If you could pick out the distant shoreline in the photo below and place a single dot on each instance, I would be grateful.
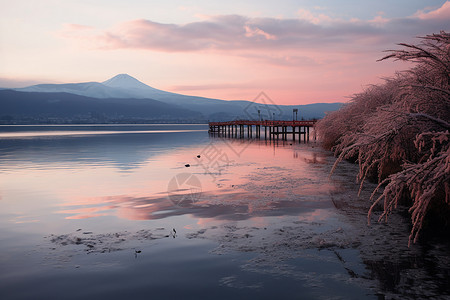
(104, 124)
(99, 123)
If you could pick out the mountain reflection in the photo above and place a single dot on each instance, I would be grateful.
(123, 151)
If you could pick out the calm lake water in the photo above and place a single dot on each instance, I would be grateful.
(107, 212)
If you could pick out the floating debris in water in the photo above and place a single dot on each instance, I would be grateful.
(105, 242)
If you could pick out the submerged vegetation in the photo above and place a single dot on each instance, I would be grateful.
(398, 133)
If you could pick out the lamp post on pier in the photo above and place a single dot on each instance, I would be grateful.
(295, 110)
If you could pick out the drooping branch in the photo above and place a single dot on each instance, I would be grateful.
(423, 181)
(442, 123)
(432, 88)
(434, 49)
(398, 133)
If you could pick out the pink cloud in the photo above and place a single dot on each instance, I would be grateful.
(442, 13)
(314, 19)
(251, 32)
(234, 33)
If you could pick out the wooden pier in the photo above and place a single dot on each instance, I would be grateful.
(272, 129)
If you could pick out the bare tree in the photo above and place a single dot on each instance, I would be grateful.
(398, 132)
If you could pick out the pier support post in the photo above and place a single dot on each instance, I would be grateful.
(280, 129)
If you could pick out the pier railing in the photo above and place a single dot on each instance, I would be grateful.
(309, 123)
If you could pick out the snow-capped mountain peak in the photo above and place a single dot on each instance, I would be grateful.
(125, 81)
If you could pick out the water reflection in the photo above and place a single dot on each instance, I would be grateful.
(124, 151)
(270, 204)
(255, 183)
(127, 175)
(227, 206)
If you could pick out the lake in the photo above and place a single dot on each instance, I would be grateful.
(168, 211)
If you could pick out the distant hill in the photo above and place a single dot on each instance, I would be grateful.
(124, 87)
(33, 107)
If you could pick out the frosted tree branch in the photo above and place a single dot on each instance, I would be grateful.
(398, 133)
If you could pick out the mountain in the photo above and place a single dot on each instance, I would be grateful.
(124, 86)
(125, 81)
(119, 86)
(88, 89)
(37, 107)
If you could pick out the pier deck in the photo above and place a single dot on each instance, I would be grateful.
(272, 129)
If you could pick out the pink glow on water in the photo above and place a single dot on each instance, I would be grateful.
(245, 185)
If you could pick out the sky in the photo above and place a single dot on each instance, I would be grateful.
(296, 51)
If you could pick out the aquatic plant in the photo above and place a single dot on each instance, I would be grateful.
(398, 133)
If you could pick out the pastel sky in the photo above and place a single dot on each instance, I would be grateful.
(297, 52)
